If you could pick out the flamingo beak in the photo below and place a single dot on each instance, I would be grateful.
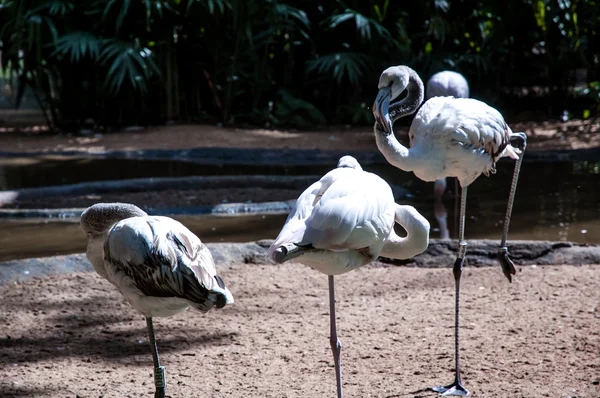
(381, 109)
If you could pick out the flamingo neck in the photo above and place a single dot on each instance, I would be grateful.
(416, 240)
(395, 153)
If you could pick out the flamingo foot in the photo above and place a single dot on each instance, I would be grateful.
(455, 389)
(508, 267)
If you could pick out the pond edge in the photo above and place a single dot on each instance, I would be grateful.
(439, 254)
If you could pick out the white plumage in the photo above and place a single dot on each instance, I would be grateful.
(449, 137)
(458, 137)
(344, 221)
(447, 84)
(156, 263)
(347, 214)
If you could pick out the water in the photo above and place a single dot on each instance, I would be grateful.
(555, 201)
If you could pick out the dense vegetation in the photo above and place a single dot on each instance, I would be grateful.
(294, 62)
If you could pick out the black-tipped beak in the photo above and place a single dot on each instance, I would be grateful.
(381, 109)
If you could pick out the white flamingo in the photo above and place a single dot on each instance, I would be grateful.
(445, 84)
(343, 221)
(449, 137)
(158, 265)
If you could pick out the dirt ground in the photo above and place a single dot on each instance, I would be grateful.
(575, 134)
(73, 336)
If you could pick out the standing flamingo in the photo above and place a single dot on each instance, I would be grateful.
(158, 265)
(343, 221)
(449, 137)
(445, 84)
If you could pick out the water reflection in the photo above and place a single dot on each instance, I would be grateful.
(555, 201)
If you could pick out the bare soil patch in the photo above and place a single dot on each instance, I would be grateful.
(73, 335)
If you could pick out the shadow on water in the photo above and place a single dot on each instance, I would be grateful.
(555, 201)
(17, 173)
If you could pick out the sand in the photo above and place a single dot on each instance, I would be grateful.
(74, 336)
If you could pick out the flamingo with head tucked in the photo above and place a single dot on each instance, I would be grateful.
(344, 221)
(156, 263)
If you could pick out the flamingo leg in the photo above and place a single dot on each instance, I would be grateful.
(336, 345)
(456, 388)
(508, 267)
(159, 371)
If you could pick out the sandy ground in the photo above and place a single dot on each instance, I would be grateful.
(73, 336)
(573, 134)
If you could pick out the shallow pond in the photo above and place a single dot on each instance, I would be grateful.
(555, 201)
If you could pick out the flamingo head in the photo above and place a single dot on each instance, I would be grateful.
(392, 82)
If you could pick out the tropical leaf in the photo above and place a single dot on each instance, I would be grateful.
(78, 45)
(127, 63)
(442, 5)
(291, 110)
(342, 65)
(364, 25)
(56, 8)
(292, 18)
(210, 5)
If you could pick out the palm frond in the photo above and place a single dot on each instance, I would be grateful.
(342, 65)
(442, 5)
(127, 63)
(364, 25)
(77, 45)
(56, 8)
(293, 18)
(210, 5)
(291, 110)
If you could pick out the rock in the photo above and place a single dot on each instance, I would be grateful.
(440, 253)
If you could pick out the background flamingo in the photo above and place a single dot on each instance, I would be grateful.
(445, 84)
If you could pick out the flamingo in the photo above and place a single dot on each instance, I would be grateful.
(449, 137)
(344, 221)
(156, 263)
(446, 83)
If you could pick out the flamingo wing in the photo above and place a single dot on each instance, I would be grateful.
(347, 209)
(165, 259)
(466, 122)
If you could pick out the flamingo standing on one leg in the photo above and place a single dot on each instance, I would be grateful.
(343, 221)
(158, 265)
(445, 84)
(449, 137)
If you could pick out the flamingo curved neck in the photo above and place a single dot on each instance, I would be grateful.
(416, 240)
(394, 152)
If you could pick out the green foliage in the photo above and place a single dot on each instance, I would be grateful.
(292, 111)
(286, 62)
